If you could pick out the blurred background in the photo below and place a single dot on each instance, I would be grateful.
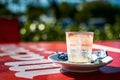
(48, 20)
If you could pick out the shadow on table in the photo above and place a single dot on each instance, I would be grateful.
(105, 73)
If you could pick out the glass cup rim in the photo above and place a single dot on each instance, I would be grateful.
(89, 32)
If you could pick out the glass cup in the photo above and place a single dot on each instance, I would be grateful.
(79, 46)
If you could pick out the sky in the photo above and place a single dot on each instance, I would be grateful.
(22, 6)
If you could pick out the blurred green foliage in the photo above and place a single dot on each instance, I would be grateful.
(58, 34)
(34, 29)
(42, 32)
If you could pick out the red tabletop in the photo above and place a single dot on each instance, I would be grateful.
(29, 61)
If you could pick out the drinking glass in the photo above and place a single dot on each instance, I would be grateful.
(79, 46)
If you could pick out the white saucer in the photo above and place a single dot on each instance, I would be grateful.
(79, 67)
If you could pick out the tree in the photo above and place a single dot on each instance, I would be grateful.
(33, 12)
(96, 10)
(66, 10)
(6, 12)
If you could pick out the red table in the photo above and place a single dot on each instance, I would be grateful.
(28, 61)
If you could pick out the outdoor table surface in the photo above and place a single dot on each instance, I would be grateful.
(29, 61)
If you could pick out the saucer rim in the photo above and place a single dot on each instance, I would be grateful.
(76, 63)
